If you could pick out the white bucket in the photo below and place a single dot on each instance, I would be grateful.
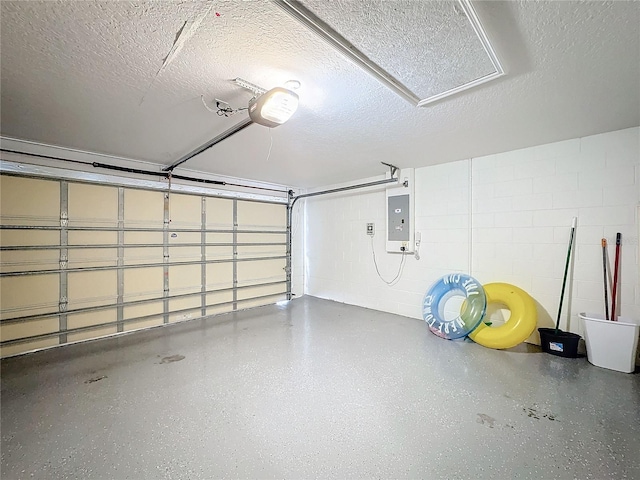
(611, 344)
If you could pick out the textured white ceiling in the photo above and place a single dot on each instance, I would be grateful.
(89, 75)
(430, 46)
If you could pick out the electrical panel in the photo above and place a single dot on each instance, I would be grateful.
(398, 218)
(401, 213)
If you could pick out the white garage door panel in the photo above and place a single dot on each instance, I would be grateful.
(22, 347)
(261, 271)
(29, 295)
(222, 302)
(142, 238)
(257, 251)
(185, 279)
(93, 288)
(17, 261)
(90, 334)
(150, 309)
(184, 254)
(143, 255)
(26, 201)
(178, 237)
(261, 216)
(143, 208)
(185, 308)
(20, 260)
(81, 320)
(27, 238)
(92, 205)
(143, 283)
(92, 257)
(220, 309)
(152, 313)
(219, 252)
(140, 324)
(263, 237)
(247, 293)
(259, 302)
(27, 329)
(124, 259)
(89, 203)
(219, 276)
(225, 238)
(185, 211)
(92, 238)
(219, 213)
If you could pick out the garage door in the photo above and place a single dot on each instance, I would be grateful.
(81, 261)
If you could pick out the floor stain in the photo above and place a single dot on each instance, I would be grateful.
(485, 419)
(172, 358)
(95, 379)
(533, 413)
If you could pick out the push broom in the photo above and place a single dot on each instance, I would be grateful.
(555, 341)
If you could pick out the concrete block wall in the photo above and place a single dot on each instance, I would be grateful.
(504, 217)
(523, 205)
(297, 251)
(339, 254)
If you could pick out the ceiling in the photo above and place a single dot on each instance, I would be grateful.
(126, 79)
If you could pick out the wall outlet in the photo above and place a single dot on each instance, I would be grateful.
(370, 229)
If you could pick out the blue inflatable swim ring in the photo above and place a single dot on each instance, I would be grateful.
(473, 310)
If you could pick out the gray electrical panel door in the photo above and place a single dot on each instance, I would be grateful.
(398, 220)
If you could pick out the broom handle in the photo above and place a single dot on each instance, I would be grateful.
(614, 291)
(566, 271)
(604, 269)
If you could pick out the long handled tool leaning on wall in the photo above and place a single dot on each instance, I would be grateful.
(606, 284)
(566, 271)
(616, 274)
(554, 340)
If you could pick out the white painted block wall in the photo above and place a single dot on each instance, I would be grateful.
(503, 217)
(297, 251)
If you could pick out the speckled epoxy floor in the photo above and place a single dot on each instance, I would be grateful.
(315, 389)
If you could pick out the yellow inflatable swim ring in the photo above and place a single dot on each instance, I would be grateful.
(521, 323)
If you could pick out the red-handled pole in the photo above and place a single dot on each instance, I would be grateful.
(614, 289)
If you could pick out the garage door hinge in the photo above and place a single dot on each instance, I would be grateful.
(64, 219)
(62, 306)
(63, 262)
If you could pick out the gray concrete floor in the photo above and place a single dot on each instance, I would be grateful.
(314, 389)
